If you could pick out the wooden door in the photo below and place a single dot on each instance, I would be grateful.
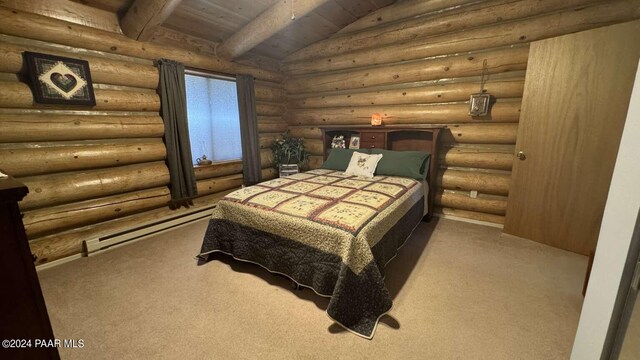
(575, 101)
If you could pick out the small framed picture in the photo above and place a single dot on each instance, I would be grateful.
(354, 143)
(59, 80)
(479, 104)
(338, 142)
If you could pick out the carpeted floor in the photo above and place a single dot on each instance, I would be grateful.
(461, 291)
(631, 344)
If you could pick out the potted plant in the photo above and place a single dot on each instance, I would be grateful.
(289, 154)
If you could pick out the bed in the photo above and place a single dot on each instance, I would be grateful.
(327, 231)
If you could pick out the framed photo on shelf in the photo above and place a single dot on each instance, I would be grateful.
(59, 80)
(354, 143)
(338, 142)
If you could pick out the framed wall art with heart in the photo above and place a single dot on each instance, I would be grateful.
(60, 80)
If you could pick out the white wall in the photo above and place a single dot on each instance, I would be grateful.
(618, 223)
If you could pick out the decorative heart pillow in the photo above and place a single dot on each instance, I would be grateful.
(363, 164)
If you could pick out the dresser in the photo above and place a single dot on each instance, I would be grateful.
(23, 314)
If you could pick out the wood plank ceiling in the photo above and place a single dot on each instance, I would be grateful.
(116, 6)
(217, 20)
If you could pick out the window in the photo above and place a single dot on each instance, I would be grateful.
(214, 122)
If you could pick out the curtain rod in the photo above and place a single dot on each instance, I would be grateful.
(190, 71)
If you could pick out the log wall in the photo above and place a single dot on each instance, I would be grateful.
(270, 106)
(92, 171)
(416, 62)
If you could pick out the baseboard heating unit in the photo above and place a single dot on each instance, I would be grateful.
(146, 229)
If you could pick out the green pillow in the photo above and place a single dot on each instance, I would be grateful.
(338, 158)
(411, 164)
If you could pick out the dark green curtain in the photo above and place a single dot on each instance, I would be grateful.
(176, 130)
(251, 169)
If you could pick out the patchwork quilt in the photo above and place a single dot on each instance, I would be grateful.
(325, 230)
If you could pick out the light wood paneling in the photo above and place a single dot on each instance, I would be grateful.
(527, 29)
(103, 70)
(266, 158)
(430, 69)
(266, 139)
(269, 173)
(144, 16)
(476, 158)
(501, 112)
(472, 215)
(487, 183)
(33, 26)
(427, 94)
(45, 160)
(69, 242)
(480, 134)
(85, 166)
(306, 132)
(575, 102)
(481, 13)
(496, 205)
(269, 109)
(222, 183)
(271, 124)
(499, 61)
(115, 6)
(218, 169)
(66, 10)
(48, 127)
(61, 188)
(401, 10)
(199, 45)
(315, 161)
(68, 216)
(14, 94)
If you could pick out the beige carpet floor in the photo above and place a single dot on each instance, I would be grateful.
(631, 343)
(461, 291)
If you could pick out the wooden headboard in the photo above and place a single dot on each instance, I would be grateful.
(393, 138)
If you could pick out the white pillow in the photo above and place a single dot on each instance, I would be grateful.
(363, 164)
